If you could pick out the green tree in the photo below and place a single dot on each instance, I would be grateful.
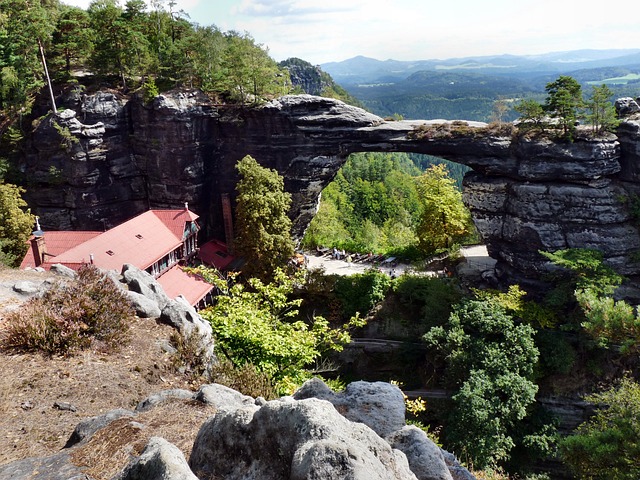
(609, 320)
(532, 115)
(602, 113)
(489, 362)
(250, 75)
(563, 102)
(16, 224)
(586, 269)
(120, 45)
(72, 39)
(25, 26)
(257, 324)
(263, 229)
(372, 205)
(607, 446)
(444, 219)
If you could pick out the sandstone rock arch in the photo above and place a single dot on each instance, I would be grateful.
(524, 195)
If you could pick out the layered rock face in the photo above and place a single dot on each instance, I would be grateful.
(109, 158)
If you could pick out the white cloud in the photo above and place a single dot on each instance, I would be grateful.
(327, 30)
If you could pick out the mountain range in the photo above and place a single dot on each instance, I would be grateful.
(467, 88)
(363, 69)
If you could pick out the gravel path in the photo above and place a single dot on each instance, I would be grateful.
(477, 260)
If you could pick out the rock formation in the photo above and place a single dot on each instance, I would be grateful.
(108, 157)
(246, 438)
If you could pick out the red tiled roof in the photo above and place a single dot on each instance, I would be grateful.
(176, 281)
(141, 241)
(174, 220)
(215, 253)
(57, 243)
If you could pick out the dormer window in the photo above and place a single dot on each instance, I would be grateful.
(139, 237)
(110, 253)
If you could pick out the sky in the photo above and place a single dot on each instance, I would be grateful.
(321, 31)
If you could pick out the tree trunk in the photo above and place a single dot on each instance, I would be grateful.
(46, 73)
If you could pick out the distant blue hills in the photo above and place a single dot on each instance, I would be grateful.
(363, 69)
(467, 88)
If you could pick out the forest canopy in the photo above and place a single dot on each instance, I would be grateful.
(129, 45)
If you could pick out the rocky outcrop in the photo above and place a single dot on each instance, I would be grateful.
(107, 158)
(149, 299)
(306, 439)
(287, 438)
(160, 460)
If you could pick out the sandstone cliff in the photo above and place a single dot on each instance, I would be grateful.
(109, 157)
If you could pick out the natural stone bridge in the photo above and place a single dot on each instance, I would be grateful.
(524, 195)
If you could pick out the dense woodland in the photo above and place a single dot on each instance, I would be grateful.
(494, 352)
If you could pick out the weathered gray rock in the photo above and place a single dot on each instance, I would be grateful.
(162, 397)
(26, 287)
(160, 460)
(178, 313)
(143, 283)
(55, 467)
(425, 457)
(63, 270)
(306, 439)
(182, 316)
(458, 472)
(626, 106)
(86, 428)
(145, 307)
(379, 405)
(222, 397)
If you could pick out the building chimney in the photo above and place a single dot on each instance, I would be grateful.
(38, 245)
(91, 258)
(186, 205)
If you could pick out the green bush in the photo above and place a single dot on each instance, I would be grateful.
(71, 316)
(488, 362)
(432, 297)
(607, 446)
(360, 292)
(259, 324)
(557, 355)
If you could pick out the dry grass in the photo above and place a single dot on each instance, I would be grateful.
(113, 447)
(92, 381)
(461, 129)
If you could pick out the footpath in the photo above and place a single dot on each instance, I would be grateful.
(476, 262)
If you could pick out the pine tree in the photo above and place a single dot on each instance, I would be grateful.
(563, 103)
(602, 113)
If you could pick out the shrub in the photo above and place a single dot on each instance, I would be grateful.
(607, 445)
(246, 379)
(70, 316)
(432, 297)
(489, 360)
(258, 324)
(360, 292)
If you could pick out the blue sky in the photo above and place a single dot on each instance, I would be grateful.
(321, 31)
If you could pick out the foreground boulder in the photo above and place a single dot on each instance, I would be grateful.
(252, 439)
(426, 460)
(379, 405)
(160, 460)
(285, 439)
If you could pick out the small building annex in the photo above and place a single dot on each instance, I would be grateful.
(158, 241)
